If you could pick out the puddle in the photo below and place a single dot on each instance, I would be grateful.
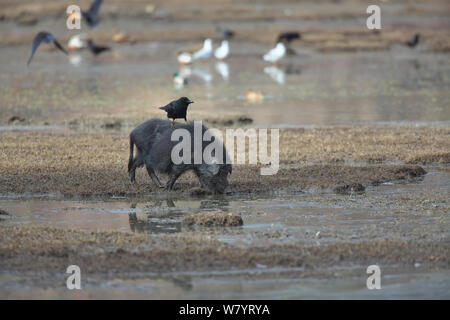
(285, 218)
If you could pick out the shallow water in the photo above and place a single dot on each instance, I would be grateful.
(254, 284)
(311, 88)
(303, 213)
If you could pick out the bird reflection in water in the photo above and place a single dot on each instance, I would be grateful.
(75, 59)
(276, 73)
(223, 69)
(203, 72)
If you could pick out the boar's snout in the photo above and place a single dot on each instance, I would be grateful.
(221, 184)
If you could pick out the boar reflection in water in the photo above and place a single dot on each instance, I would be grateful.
(154, 148)
(158, 218)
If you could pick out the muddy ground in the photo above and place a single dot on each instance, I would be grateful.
(81, 163)
(50, 249)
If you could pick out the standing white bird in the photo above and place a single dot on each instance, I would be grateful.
(222, 51)
(76, 42)
(184, 57)
(205, 52)
(275, 54)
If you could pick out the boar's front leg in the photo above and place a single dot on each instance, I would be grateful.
(152, 175)
(173, 177)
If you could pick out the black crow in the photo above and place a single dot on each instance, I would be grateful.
(96, 49)
(224, 33)
(177, 109)
(46, 37)
(90, 16)
(414, 41)
(288, 37)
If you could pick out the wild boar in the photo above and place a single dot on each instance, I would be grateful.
(154, 150)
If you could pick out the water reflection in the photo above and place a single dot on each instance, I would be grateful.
(75, 59)
(181, 78)
(223, 69)
(292, 69)
(163, 216)
(203, 72)
(156, 218)
(277, 74)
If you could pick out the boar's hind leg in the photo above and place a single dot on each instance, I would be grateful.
(137, 162)
(152, 175)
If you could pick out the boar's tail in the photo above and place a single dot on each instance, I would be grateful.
(130, 160)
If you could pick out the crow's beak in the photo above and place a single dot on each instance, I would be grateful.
(190, 101)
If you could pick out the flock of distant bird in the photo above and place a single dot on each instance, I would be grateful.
(91, 19)
(222, 52)
(184, 57)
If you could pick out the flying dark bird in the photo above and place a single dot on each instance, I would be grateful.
(177, 109)
(90, 16)
(46, 37)
(224, 33)
(414, 41)
(288, 37)
(96, 49)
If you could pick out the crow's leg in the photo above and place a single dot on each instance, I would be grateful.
(154, 177)
(185, 119)
(173, 122)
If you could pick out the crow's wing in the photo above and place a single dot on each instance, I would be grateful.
(172, 106)
(41, 36)
(95, 6)
(59, 46)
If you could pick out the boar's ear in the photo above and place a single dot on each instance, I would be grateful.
(214, 167)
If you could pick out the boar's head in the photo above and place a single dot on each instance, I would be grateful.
(215, 176)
